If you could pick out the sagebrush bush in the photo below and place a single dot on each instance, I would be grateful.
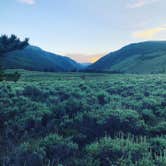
(100, 120)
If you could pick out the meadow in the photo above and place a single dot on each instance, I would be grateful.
(83, 119)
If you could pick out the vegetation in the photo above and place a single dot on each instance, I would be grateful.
(1, 74)
(140, 58)
(35, 59)
(83, 119)
(8, 44)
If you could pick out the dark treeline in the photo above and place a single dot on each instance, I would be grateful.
(8, 44)
(11, 43)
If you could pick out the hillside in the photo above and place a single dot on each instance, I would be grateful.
(34, 58)
(145, 57)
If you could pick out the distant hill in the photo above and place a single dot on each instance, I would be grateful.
(34, 58)
(145, 57)
(84, 66)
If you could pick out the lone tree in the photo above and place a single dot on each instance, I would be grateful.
(8, 44)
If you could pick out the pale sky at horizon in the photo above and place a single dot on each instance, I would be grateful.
(84, 29)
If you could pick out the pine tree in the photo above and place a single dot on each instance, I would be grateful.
(8, 44)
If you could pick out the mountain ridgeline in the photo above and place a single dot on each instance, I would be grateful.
(142, 58)
(34, 58)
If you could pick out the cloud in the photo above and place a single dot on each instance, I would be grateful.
(140, 3)
(149, 33)
(28, 2)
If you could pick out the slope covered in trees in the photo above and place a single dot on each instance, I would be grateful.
(34, 58)
(145, 57)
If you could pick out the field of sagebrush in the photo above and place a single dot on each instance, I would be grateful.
(83, 119)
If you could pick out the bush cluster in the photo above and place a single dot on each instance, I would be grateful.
(101, 120)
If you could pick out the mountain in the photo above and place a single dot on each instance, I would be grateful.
(84, 66)
(145, 57)
(34, 58)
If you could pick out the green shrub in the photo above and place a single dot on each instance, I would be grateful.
(87, 117)
(158, 145)
(103, 98)
(159, 129)
(110, 151)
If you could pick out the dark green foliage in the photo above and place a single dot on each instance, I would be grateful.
(12, 76)
(83, 119)
(113, 151)
(35, 59)
(8, 44)
(1, 74)
(145, 57)
(102, 97)
(52, 148)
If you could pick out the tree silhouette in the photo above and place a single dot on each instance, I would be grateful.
(8, 44)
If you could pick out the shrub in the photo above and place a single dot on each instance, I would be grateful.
(158, 145)
(33, 92)
(103, 98)
(159, 129)
(12, 77)
(109, 151)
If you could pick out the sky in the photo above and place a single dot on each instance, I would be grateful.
(84, 30)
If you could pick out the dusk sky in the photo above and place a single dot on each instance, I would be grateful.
(84, 29)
